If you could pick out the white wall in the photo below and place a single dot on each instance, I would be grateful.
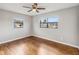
(67, 32)
(67, 28)
(7, 30)
(78, 25)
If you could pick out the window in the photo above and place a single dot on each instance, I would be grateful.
(51, 22)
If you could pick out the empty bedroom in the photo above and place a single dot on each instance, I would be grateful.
(39, 29)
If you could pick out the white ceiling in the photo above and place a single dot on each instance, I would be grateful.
(17, 7)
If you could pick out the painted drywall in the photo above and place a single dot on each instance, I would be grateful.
(67, 32)
(67, 27)
(7, 30)
(78, 26)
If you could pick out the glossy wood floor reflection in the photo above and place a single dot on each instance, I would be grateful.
(36, 46)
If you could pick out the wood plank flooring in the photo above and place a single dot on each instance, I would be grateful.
(36, 46)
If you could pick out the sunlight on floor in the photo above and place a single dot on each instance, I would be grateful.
(47, 50)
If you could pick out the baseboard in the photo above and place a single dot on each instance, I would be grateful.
(39, 37)
(57, 41)
(14, 39)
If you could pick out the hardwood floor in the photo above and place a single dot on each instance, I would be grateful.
(36, 46)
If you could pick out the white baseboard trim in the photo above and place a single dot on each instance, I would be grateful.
(40, 37)
(14, 39)
(58, 42)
